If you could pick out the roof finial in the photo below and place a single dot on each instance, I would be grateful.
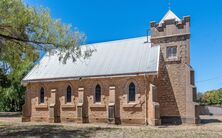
(169, 5)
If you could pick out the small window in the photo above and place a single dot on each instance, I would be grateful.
(42, 95)
(132, 92)
(192, 80)
(171, 52)
(98, 93)
(68, 94)
(195, 95)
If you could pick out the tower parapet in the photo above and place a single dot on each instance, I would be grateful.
(170, 30)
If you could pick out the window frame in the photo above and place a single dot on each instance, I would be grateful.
(192, 77)
(98, 87)
(42, 95)
(70, 100)
(169, 55)
(129, 98)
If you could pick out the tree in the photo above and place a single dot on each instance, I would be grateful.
(23, 28)
(24, 31)
(213, 97)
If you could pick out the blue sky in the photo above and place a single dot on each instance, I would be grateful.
(104, 20)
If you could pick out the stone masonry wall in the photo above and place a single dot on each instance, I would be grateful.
(93, 112)
(173, 82)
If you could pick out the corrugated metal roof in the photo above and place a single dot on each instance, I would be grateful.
(170, 15)
(119, 57)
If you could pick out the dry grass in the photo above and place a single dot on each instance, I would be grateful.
(210, 127)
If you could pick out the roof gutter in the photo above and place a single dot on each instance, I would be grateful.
(25, 82)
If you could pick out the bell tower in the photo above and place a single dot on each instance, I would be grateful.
(175, 82)
(174, 33)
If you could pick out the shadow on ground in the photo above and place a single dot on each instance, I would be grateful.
(49, 131)
(10, 114)
(208, 121)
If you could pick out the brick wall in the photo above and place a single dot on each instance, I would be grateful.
(125, 112)
(173, 83)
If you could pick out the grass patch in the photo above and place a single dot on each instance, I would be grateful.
(209, 128)
(72, 131)
(4, 124)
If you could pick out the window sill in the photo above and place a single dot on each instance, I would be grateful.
(41, 106)
(98, 105)
(172, 59)
(68, 105)
(131, 105)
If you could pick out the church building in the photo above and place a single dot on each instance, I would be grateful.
(144, 80)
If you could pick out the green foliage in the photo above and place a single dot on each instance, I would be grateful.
(24, 31)
(213, 97)
(21, 27)
(11, 90)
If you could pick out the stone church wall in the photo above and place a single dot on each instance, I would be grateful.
(92, 112)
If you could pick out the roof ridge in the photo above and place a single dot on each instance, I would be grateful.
(133, 38)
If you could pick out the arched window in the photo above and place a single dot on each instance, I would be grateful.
(68, 94)
(42, 95)
(98, 93)
(132, 92)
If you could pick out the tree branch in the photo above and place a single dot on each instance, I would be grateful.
(25, 40)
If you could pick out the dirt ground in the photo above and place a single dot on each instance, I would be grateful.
(211, 126)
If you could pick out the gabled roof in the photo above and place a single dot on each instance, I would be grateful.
(169, 15)
(129, 56)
